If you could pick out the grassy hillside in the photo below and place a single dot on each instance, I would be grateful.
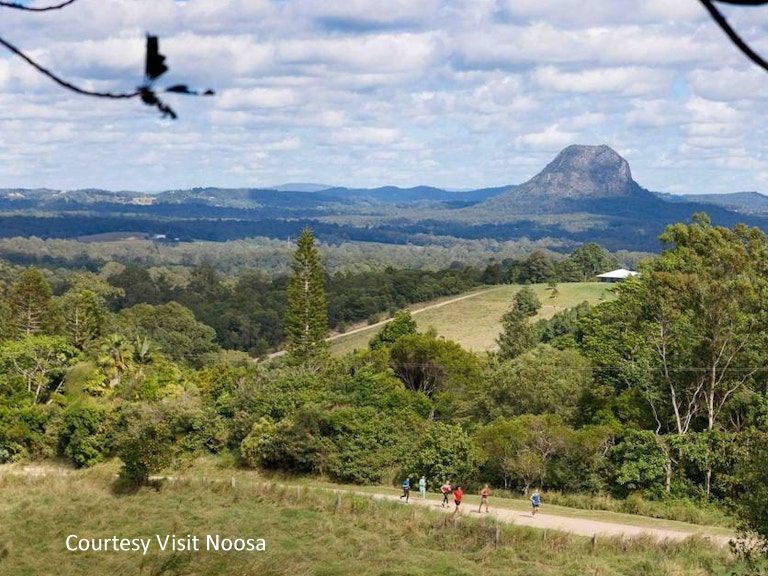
(475, 321)
(307, 532)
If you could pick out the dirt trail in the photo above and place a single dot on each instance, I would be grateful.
(578, 526)
(388, 320)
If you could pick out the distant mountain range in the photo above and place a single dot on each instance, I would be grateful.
(744, 202)
(586, 193)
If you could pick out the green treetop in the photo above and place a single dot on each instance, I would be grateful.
(306, 318)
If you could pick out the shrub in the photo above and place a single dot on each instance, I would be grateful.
(640, 463)
(83, 434)
(258, 448)
(145, 444)
(753, 503)
(444, 452)
(26, 431)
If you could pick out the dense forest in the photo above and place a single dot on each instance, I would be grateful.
(246, 309)
(67, 225)
(657, 396)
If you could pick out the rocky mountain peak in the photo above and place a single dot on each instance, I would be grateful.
(586, 171)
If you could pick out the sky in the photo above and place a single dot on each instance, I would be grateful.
(452, 93)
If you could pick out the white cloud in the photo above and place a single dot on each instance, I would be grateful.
(550, 138)
(380, 53)
(655, 112)
(626, 80)
(729, 83)
(245, 99)
(365, 13)
(576, 13)
(366, 135)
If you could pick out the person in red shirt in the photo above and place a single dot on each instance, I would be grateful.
(484, 493)
(458, 494)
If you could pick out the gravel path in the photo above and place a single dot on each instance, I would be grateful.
(579, 526)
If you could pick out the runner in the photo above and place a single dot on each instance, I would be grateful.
(535, 502)
(423, 487)
(445, 489)
(406, 489)
(484, 493)
(458, 494)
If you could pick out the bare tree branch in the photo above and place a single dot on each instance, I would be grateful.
(155, 67)
(18, 6)
(731, 33)
(60, 81)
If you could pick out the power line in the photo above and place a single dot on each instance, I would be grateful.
(731, 33)
(18, 6)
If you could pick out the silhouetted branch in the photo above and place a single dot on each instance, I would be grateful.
(731, 33)
(18, 6)
(154, 68)
(744, 2)
(60, 81)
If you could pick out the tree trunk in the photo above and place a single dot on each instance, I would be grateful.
(708, 481)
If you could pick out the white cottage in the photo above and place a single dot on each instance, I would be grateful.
(617, 275)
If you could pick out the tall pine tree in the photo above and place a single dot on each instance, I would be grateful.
(306, 319)
(31, 304)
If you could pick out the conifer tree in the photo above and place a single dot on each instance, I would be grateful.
(306, 318)
(518, 334)
(31, 304)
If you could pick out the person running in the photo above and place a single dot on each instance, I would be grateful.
(458, 494)
(484, 493)
(445, 489)
(423, 487)
(535, 502)
(406, 489)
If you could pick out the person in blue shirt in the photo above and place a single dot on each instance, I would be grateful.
(406, 489)
(535, 501)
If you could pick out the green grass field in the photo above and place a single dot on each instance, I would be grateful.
(307, 531)
(475, 321)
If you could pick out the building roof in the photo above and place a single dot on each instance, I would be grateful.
(619, 274)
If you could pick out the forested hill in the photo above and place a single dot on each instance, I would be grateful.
(745, 202)
(587, 193)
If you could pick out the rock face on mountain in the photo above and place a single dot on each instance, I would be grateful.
(584, 171)
(577, 178)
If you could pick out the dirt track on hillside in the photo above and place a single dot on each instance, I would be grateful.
(578, 526)
(388, 320)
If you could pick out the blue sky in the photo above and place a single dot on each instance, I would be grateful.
(449, 93)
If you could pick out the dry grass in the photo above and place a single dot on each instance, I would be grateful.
(308, 531)
(475, 322)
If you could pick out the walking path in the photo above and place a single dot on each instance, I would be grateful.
(550, 521)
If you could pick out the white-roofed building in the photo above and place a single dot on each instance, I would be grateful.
(617, 275)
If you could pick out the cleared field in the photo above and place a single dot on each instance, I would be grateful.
(474, 319)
